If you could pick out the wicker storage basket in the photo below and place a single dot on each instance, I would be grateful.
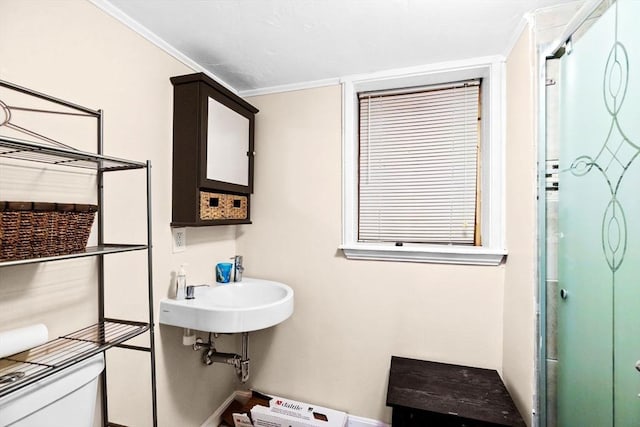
(222, 206)
(33, 230)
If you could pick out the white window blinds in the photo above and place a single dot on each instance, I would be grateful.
(418, 164)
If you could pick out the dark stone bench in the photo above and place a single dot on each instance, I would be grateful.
(435, 394)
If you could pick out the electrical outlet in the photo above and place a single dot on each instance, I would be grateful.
(179, 239)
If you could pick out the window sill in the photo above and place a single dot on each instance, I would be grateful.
(425, 253)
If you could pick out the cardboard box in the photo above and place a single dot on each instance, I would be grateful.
(276, 411)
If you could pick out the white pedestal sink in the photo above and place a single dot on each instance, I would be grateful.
(235, 307)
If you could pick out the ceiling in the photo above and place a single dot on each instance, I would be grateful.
(259, 44)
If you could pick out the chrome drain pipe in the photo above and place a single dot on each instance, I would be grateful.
(239, 361)
(244, 363)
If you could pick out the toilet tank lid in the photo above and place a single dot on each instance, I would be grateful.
(38, 395)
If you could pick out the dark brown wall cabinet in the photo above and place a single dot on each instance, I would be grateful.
(213, 153)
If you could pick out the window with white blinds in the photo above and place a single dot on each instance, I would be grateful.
(418, 165)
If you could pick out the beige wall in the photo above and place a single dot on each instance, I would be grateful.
(73, 50)
(350, 316)
(518, 360)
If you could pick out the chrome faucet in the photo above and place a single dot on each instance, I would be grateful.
(238, 268)
(191, 291)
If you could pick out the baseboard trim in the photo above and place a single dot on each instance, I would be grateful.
(355, 421)
(215, 418)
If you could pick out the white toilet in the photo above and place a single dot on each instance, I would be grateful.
(65, 399)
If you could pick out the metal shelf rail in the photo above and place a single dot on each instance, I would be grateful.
(88, 251)
(67, 350)
(28, 150)
(20, 370)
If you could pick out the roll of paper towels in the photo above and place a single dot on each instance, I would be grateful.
(17, 340)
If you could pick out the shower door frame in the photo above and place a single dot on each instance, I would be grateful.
(546, 51)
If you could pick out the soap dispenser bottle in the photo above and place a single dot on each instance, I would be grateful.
(181, 283)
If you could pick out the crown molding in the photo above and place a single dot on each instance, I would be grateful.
(290, 87)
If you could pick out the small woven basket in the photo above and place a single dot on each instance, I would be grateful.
(222, 206)
(34, 230)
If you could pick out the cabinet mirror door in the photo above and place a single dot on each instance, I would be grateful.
(227, 145)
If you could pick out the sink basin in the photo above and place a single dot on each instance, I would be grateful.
(244, 306)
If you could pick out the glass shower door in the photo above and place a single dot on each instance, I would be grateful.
(599, 224)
